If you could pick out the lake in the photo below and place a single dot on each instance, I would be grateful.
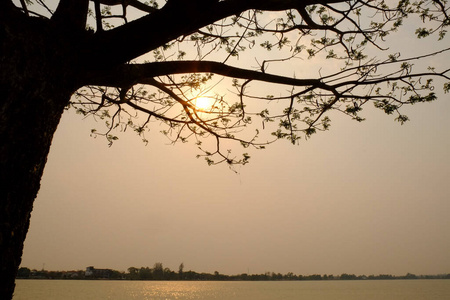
(235, 290)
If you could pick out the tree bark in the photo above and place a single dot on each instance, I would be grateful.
(35, 86)
(26, 131)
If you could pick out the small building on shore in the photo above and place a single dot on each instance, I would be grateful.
(98, 273)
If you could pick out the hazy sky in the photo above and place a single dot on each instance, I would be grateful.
(363, 198)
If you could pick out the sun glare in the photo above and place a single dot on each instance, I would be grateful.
(203, 103)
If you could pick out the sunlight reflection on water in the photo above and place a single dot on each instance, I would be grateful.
(178, 290)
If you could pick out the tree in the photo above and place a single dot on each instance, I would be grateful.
(23, 273)
(348, 276)
(133, 273)
(134, 69)
(180, 271)
(158, 271)
(145, 273)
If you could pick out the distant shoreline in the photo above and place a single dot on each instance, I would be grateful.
(158, 273)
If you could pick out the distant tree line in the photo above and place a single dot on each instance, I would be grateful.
(158, 272)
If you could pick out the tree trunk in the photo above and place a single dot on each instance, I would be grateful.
(36, 83)
(26, 131)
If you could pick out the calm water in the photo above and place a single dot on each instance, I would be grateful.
(281, 290)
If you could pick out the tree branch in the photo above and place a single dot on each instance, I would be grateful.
(139, 73)
(24, 7)
(175, 19)
(72, 13)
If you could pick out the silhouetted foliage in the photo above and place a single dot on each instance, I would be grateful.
(146, 273)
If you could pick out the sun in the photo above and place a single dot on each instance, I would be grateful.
(203, 103)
